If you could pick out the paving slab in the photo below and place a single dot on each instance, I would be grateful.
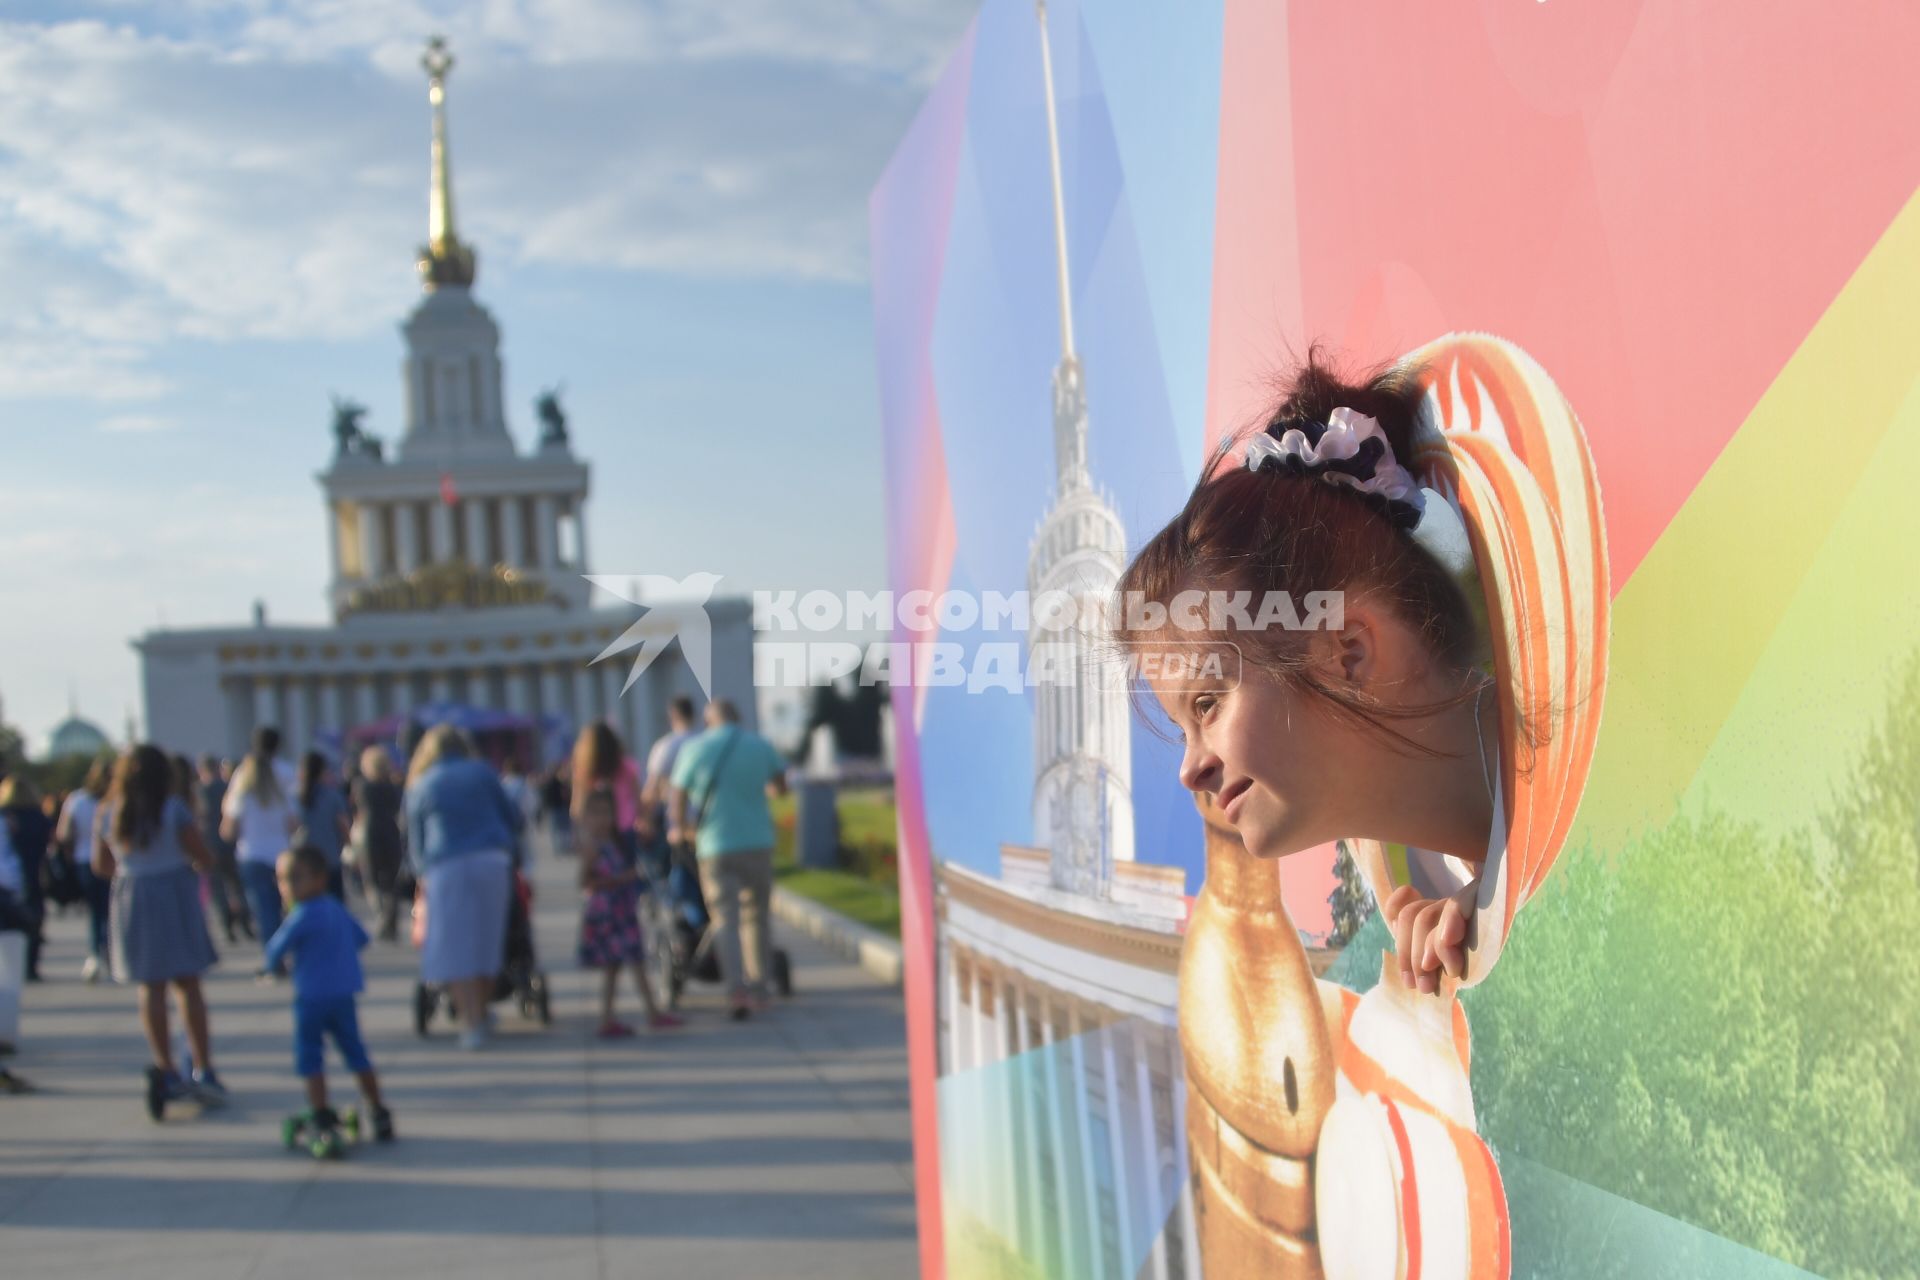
(776, 1147)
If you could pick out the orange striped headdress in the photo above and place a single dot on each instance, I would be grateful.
(1499, 441)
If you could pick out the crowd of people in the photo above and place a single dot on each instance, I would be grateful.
(290, 855)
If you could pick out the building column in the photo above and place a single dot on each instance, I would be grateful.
(475, 513)
(366, 700)
(958, 1059)
(545, 533)
(400, 684)
(333, 540)
(944, 1062)
(1189, 1228)
(442, 522)
(612, 676)
(1010, 1125)
(586, 696)
(986, 1047)
(238, 699)
(966, 1023)
(266, 703)
(1117, 1132)
(440, 687)
(299, 730)
(1149, 1128)
(1030, 1184)
(1055, 1102)
(371, 552)
(519, 683)
(406, 536)
(1076, 1096)
(513, 545)
(330, 717)
(580, 561)
(552, 700)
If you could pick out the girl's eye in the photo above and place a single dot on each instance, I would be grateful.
(1203, 704)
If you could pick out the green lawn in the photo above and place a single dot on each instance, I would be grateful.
(842, 891)
(866, 886)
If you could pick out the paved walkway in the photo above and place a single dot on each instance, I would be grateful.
(779, 1147)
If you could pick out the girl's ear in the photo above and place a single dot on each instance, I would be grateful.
(1350, 654)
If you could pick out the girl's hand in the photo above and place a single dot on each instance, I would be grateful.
(1430, 934)
(196, 849)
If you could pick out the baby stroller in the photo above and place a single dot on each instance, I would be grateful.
(679, 931)
(520, 977)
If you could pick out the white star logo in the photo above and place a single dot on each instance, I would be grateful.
(674, 607)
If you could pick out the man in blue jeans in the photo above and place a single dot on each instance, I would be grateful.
(722, 781)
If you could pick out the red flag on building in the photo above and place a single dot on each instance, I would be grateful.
(448, 494)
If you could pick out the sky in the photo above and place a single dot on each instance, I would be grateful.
(209, 212)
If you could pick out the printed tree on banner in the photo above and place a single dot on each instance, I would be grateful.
(1351, 902)
(1711, 1021)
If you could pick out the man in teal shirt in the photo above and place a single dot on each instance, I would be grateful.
(722, 781)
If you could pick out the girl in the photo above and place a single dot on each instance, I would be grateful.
(376, 834)
(257, 817)
(150, 851)
(75, 833)
(600, 763)
(1443, 719)
(323, 819)
(610, 922)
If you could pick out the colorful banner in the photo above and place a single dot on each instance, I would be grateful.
(1676, 246)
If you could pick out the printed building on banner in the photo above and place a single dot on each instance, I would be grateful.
(1065, 968)
(457, 587)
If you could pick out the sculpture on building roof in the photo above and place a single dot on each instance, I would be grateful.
(553, 422)
(348, 437)
(346, 424)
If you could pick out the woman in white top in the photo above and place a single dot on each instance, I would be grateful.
(75, 831)
(258, 816)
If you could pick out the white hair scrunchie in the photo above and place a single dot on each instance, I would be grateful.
(1336, 457)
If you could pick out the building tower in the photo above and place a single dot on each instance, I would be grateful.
(1083, 773)
(458, 516)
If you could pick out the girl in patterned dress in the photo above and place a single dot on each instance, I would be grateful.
(610, 921)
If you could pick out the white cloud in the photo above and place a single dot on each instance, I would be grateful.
(254, 169)
(136, 423)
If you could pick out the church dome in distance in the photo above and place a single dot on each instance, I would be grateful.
(76, 737)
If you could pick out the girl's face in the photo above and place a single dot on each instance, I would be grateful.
(1282, 764)
(1271, 757)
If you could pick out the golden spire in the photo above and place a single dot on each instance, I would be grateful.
(443, 260)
